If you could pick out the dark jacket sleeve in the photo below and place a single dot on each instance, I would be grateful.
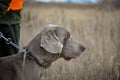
(4, 4)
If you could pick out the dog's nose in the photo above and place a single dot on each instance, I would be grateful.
(82, 48)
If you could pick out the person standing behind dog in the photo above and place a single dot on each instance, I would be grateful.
(10, 25)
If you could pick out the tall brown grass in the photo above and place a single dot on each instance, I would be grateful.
(98, 29)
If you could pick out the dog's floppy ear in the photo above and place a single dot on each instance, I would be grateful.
(50, 42)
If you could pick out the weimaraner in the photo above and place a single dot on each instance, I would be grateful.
(50, 44)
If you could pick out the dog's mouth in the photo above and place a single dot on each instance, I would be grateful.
(68, 58)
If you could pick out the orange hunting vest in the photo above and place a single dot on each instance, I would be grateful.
(15, 5)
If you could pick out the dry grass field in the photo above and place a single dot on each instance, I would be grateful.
(97, 28)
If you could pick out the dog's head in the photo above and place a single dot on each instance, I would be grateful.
(54, 42)
(57, 40)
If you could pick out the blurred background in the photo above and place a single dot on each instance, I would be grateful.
(95, 23)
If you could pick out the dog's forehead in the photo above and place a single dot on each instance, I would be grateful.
(55, 27)
(52, 26)
(58, 30)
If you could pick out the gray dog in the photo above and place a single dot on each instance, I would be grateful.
(50, 44)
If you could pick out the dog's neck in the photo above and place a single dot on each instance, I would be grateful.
(31, 57)
(40, 55)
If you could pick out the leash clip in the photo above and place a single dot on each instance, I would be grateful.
(1, 34)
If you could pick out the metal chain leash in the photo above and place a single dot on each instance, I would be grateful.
(9, 41)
